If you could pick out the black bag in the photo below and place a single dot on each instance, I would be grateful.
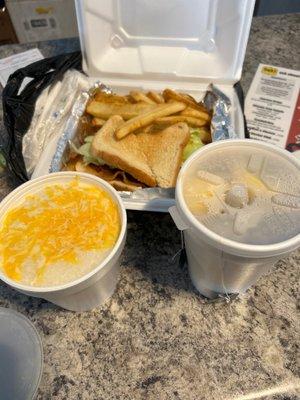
(18, 109)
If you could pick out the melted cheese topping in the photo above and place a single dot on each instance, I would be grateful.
(57, 226)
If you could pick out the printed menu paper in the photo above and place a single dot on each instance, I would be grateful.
(11, 64)
(272, 107)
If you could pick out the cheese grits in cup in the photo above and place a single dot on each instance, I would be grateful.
(61, 238)
(238, 205)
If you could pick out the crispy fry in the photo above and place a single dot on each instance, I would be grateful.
(181, 118)
(197, 105)
(156, 97)
(188, 96)
(152, 128)
(170, 94)
(110, 98)
(170, 100)
(141, 97)
(130, 99)
(147, 118)
(127, 111)
(98, 122)
(191, 112)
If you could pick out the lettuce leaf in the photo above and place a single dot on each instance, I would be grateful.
(194, 144)
(85, 151)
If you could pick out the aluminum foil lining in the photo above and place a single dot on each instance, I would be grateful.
(221, 128)
(217, 102)
(69, 134)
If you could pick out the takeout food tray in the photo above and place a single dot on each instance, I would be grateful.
(145, 45)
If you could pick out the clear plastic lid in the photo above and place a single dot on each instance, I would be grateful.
(21, 356)
(249, 194)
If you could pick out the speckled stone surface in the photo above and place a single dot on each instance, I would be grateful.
(156, 338)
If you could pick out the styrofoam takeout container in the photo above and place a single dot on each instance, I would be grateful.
(183, 45)
(218, 265)
(93, 288)
(146, 44)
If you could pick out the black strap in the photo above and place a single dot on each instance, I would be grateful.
(240, 94)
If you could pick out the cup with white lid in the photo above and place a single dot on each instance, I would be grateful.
(238, 205)
(62, 236)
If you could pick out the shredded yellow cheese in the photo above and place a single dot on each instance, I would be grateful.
(57, 224)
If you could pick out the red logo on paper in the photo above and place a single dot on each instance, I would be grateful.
(293, 140)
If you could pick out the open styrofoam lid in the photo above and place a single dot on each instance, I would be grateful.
(163, 40)
(21, 356)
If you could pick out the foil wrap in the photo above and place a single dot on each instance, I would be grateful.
(217, 102)
(69, 134)
(221, 128)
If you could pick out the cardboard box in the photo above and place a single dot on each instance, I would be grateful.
(38, 20)
(7, 33)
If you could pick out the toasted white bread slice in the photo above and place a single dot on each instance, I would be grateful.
(163, 150)
(124, 154)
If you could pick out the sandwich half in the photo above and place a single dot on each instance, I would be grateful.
(163, 150)
(152, 157)
(124, 154)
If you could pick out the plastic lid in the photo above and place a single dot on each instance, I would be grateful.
(246, 192)
(21, 356)
(169, 41)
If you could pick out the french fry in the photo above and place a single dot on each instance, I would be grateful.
(141, 97)
(191, 112)
(110, 98)
(170, 94)
(198, 106)
(147, 118)
(152, 128)
(130, 99)
(156, 97)
(98, 122)
(126, 111)
(181, 118)
(171, 101)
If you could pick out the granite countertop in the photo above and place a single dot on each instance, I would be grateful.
(157, 338)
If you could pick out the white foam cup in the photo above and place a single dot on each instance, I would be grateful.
(218, 265)
(98, 285)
